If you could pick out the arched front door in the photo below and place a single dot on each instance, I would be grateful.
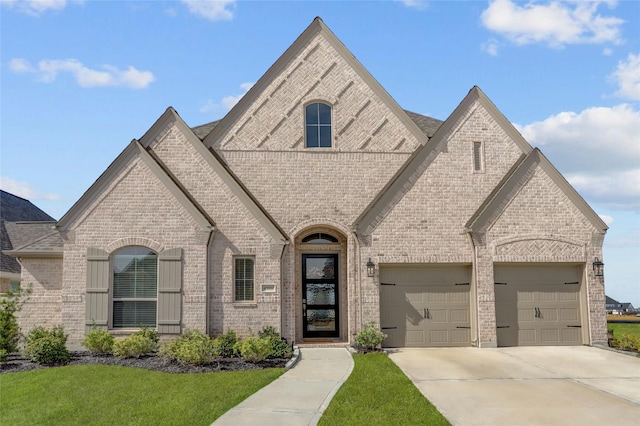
(320, 295)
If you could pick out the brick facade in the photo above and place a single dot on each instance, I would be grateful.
(387, 191)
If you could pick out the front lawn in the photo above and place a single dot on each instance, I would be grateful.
(378, 393)
(109, 395)
(631, 329)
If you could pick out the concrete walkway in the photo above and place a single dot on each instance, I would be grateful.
(299, 396)
(559, 385)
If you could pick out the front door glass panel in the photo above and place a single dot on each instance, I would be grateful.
(320, 295)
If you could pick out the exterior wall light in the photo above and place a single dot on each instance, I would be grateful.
(598, 267)
(371, 268)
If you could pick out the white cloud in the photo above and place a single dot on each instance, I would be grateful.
(598, 151)
(491, 47)
(213, 10)
(415, 4)
(606, 218)
(25, 190)
(48, 70)
(228, 102)
(554, 23)
(37, 7)
(627, 76)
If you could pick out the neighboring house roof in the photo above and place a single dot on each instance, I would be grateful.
(610, 301)
(316, 27)
(14, 209)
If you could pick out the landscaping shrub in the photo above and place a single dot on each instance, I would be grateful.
(278, 347)
(134, 346)
(255, 349)
(149, 333)
(98, 341)
(370, 337)
(4, 356)
(46, 346)
(226, 345)
(10, 305)
(193, 347)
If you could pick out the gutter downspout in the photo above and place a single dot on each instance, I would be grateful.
(207, 303)
(285, 243)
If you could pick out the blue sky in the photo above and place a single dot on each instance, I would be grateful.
(81, 79)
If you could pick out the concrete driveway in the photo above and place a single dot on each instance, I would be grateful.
(559, 385)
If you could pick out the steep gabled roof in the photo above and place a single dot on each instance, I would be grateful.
(316, 27)
(134, 149)
(496, 203)
(13, 209)
(417, 163)
(220, 168)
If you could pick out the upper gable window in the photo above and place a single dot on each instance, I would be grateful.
(478, 157)
(317, 119)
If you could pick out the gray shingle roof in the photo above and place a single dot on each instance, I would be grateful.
(13, 209)
(428, 125)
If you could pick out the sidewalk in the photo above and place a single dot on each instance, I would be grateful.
(299, 396)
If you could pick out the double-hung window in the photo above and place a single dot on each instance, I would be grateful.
(318, 125)
(135, 287)
(243, 275)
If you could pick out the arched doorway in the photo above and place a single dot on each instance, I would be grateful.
(321, 290)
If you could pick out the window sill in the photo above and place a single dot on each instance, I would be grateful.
(245, 305)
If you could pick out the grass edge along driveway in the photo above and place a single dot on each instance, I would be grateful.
(108, 395)
(378, 393)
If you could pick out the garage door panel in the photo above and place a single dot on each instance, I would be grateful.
(462, 336)
(424, 306)
(569, 315)
(572, 334)
(526, 336)
(459, 316)
(547, 300)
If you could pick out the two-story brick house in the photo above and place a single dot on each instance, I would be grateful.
(316, 205)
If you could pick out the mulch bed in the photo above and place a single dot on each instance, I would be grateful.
(16, 363)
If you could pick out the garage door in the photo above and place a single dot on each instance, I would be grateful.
(538, 305)
(425, 306)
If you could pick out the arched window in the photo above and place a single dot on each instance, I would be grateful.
(318, 125)
(319, 238)
(135, 287)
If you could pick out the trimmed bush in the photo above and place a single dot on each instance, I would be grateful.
(134, 346)
(193, 347)
(4, 356)
(47, 346)
(370, 337)
(255, 349)
(98, 341)
(10, 305)
(278, 347)
(226, 345)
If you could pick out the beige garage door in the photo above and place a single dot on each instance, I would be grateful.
(425, 305)
(538, 305)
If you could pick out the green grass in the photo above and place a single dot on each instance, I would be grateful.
(378, 393)
(619, 329)
(109, 395)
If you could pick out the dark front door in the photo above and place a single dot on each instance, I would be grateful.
(320, 295)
